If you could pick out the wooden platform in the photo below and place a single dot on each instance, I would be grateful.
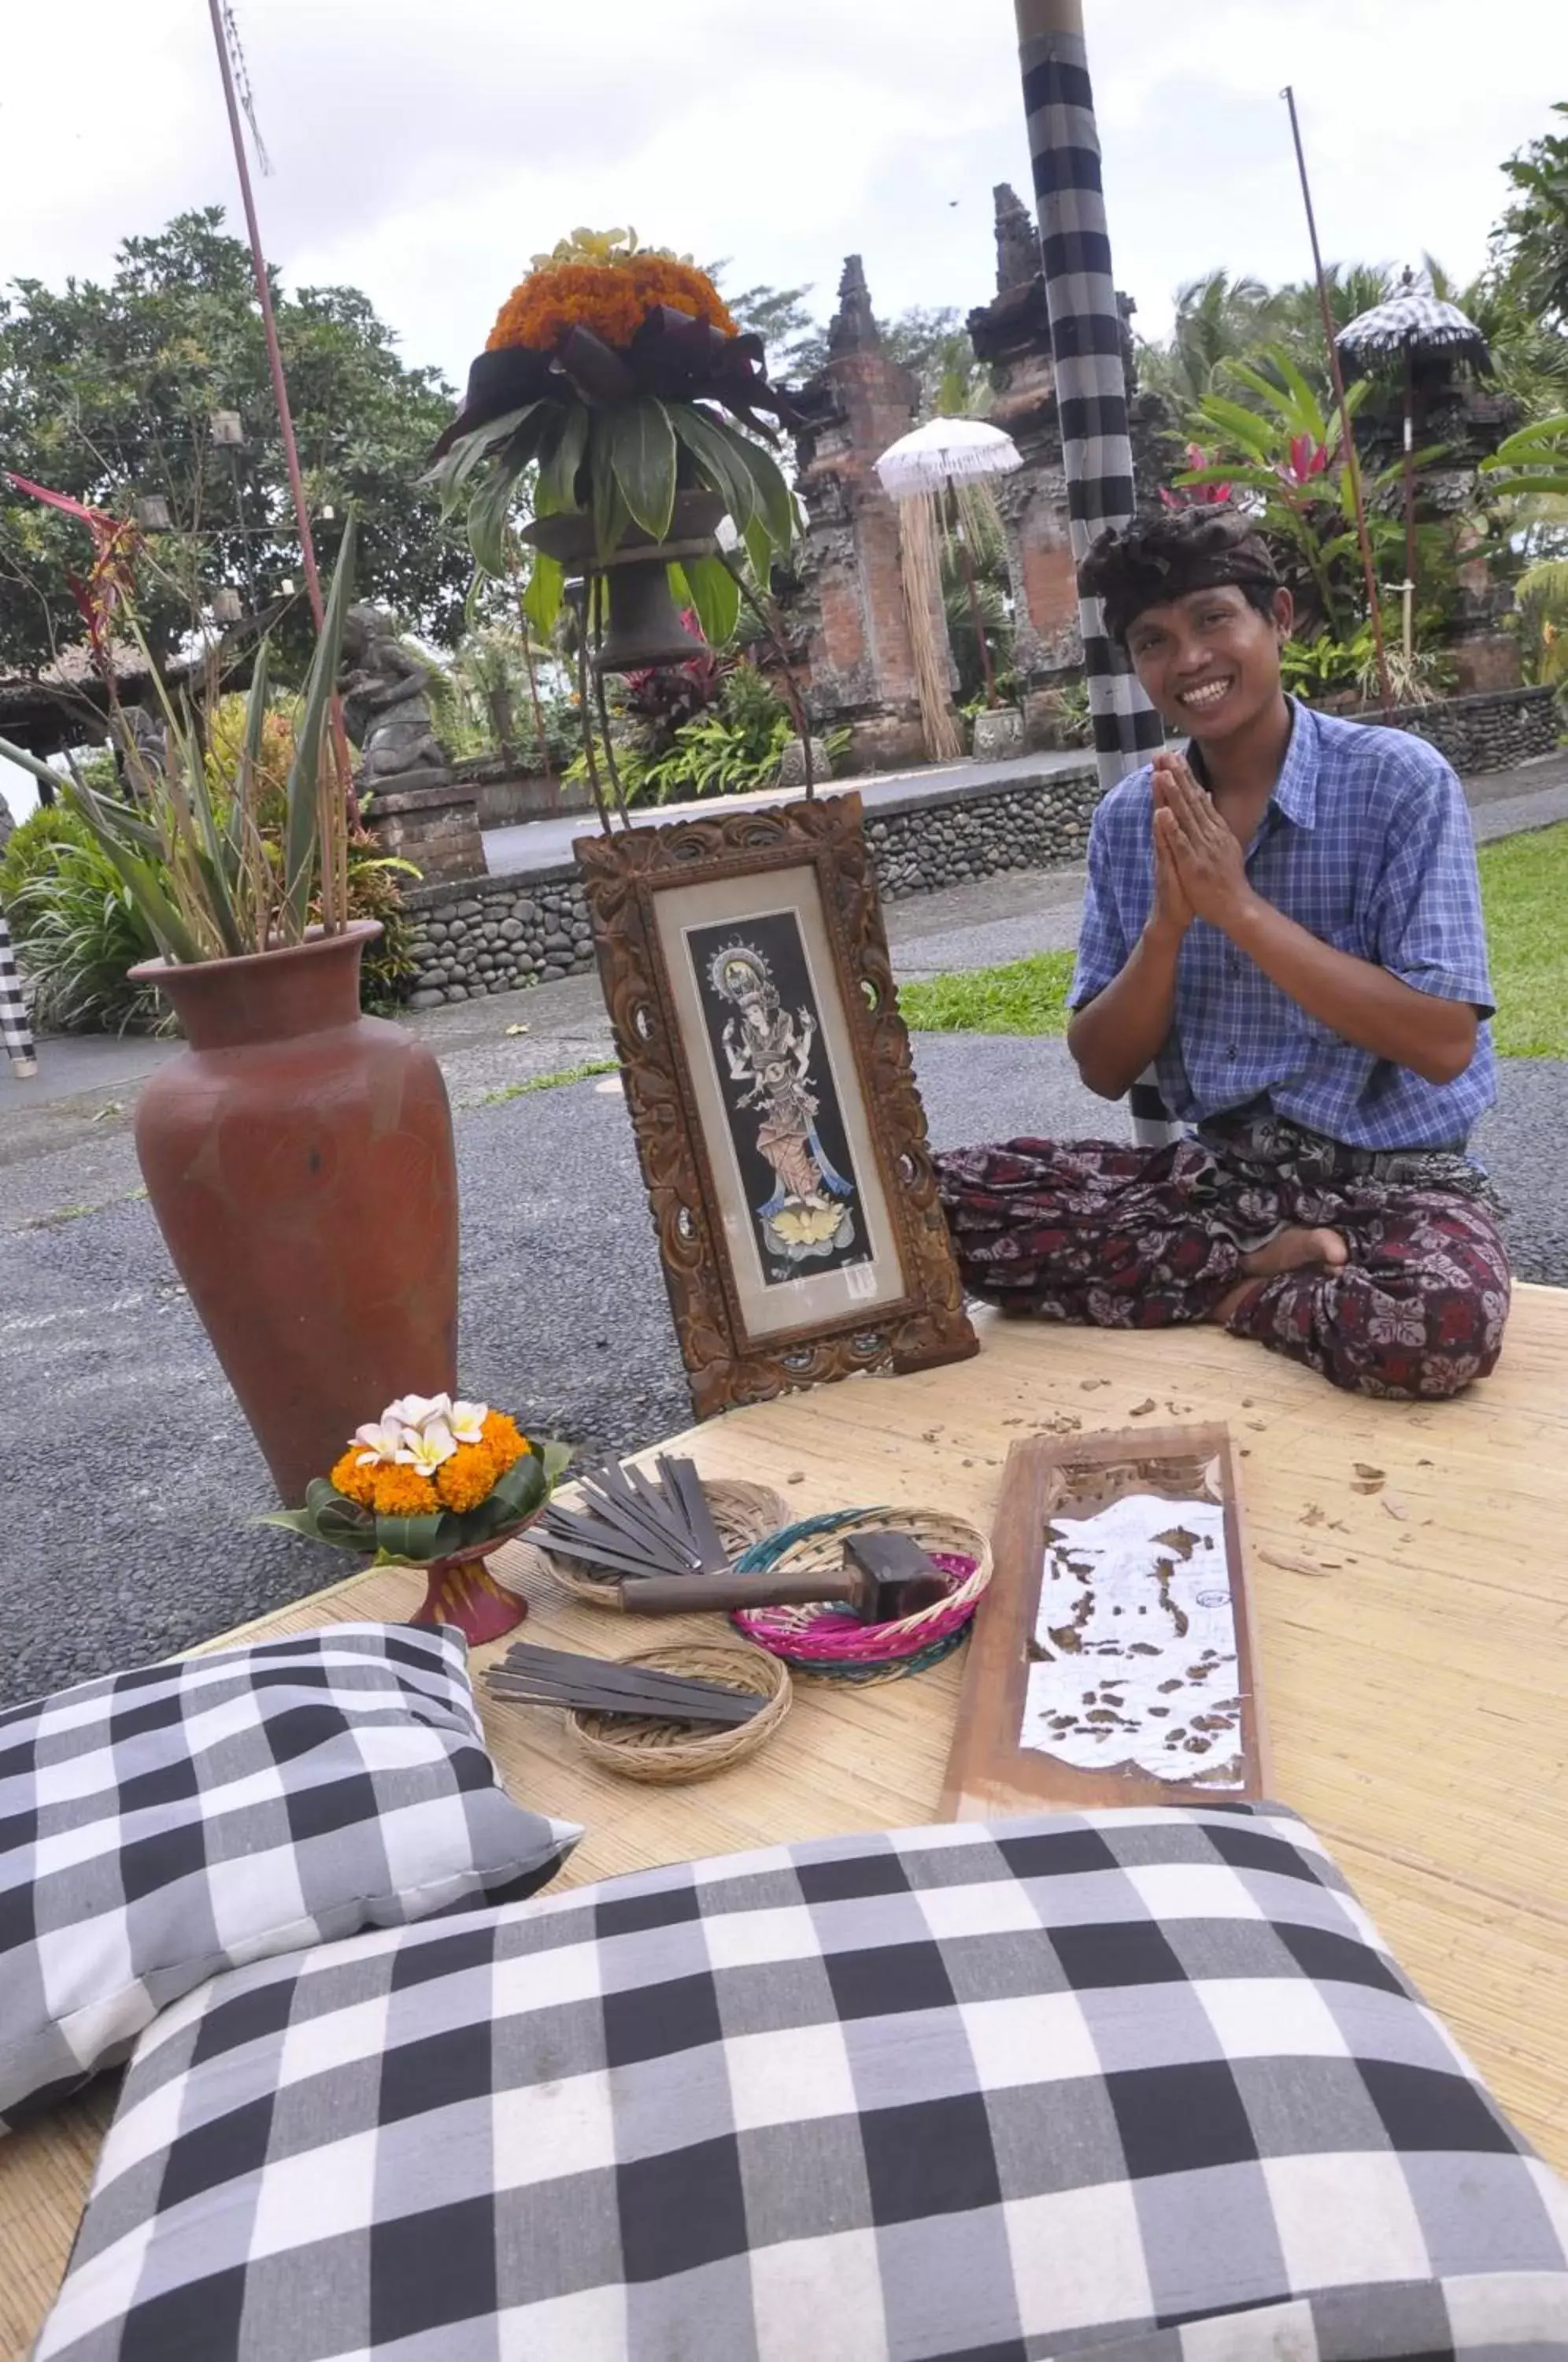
(1416, 1687)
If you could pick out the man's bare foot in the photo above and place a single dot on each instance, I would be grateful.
(1294, 1249)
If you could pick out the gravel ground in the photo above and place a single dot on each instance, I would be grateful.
(129, 1475)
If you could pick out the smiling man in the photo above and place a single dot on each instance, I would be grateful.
(1285, 921)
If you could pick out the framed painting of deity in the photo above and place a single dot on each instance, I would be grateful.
(768, 1080)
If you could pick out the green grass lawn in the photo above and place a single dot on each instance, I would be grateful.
(1524, 884)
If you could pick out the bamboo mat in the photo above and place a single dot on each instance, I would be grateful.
(1417, 1688)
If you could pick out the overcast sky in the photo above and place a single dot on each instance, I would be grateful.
(424, 150)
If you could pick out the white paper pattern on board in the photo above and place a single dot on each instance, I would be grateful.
(1134, 1652)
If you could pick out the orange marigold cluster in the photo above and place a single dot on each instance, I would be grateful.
(613, 299)
(467, 1478)
(355, 1483)
(504, 1440)
(402, 1493)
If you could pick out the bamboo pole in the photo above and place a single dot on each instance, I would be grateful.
(1347, 439)
(281, 397)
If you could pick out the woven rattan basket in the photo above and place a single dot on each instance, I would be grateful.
(663, 1753)
(743, 1513)
(829, 1640)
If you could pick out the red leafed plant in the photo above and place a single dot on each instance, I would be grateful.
(1305, 459)
(1195, 495)
(111, 577)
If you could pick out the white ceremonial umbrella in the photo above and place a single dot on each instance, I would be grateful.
(928, 461)
(1413, 322)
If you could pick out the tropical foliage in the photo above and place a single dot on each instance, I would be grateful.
(733, 747)
(1532, 238)
(207, 881)
(108, 392)
(1282, 455)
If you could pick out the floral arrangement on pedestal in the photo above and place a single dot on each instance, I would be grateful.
(436, 1483)
(616, 381)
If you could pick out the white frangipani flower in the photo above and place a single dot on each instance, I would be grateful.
(419, 1410)
(380, 1441)
(467, 1421)
(425, 1447)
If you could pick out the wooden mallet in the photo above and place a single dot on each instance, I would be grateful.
(884, 1578)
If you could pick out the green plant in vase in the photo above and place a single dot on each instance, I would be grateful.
(618, 396)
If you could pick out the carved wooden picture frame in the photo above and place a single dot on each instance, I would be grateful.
(768, 1073)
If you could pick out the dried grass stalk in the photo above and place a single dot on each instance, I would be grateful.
(928, 626)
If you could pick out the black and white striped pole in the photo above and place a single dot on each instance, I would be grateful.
(1091, 386)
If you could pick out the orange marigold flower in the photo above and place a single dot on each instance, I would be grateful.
(612, 299)
(504, 1441)
(468, 1477)
(402, 1493)
(353, 1482)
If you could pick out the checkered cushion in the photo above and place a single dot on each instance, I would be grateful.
(968, 2091)
(160, 1825)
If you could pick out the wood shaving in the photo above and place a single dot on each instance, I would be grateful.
(1311, 1515)
(1394, 1506)
(1364, 1468)
(1142, 1410)
(1293, 1565)
(1373, 1484)
(1258, 1426)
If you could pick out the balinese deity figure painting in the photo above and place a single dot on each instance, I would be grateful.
(779, 1095)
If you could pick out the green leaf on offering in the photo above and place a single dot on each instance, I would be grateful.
(715, 596)
(712, 447)
(410, 1538)
(542, 599)
(556, 486)
(775, 499)
(643, 450)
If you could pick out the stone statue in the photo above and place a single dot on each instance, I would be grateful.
(386, 701)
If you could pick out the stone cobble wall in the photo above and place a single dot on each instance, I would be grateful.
(493, 935)
(1484, 733)
(950, 840)
(496, 933)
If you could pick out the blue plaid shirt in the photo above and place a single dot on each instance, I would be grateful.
(1366, 843)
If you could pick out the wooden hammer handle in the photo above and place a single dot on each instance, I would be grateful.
(700, 1594)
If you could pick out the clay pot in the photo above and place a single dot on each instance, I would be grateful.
(645, 627)
(299, 1163)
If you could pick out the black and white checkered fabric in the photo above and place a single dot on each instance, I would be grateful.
(1414, 318)
(14, 1031)
(1091, 392)
(158, 1826)
(963, 2092)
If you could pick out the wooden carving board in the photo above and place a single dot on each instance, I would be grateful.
(989, 1771)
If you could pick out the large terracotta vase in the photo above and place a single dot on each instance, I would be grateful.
(299, 1160)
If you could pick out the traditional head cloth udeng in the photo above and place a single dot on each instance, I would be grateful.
(1162, 557)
